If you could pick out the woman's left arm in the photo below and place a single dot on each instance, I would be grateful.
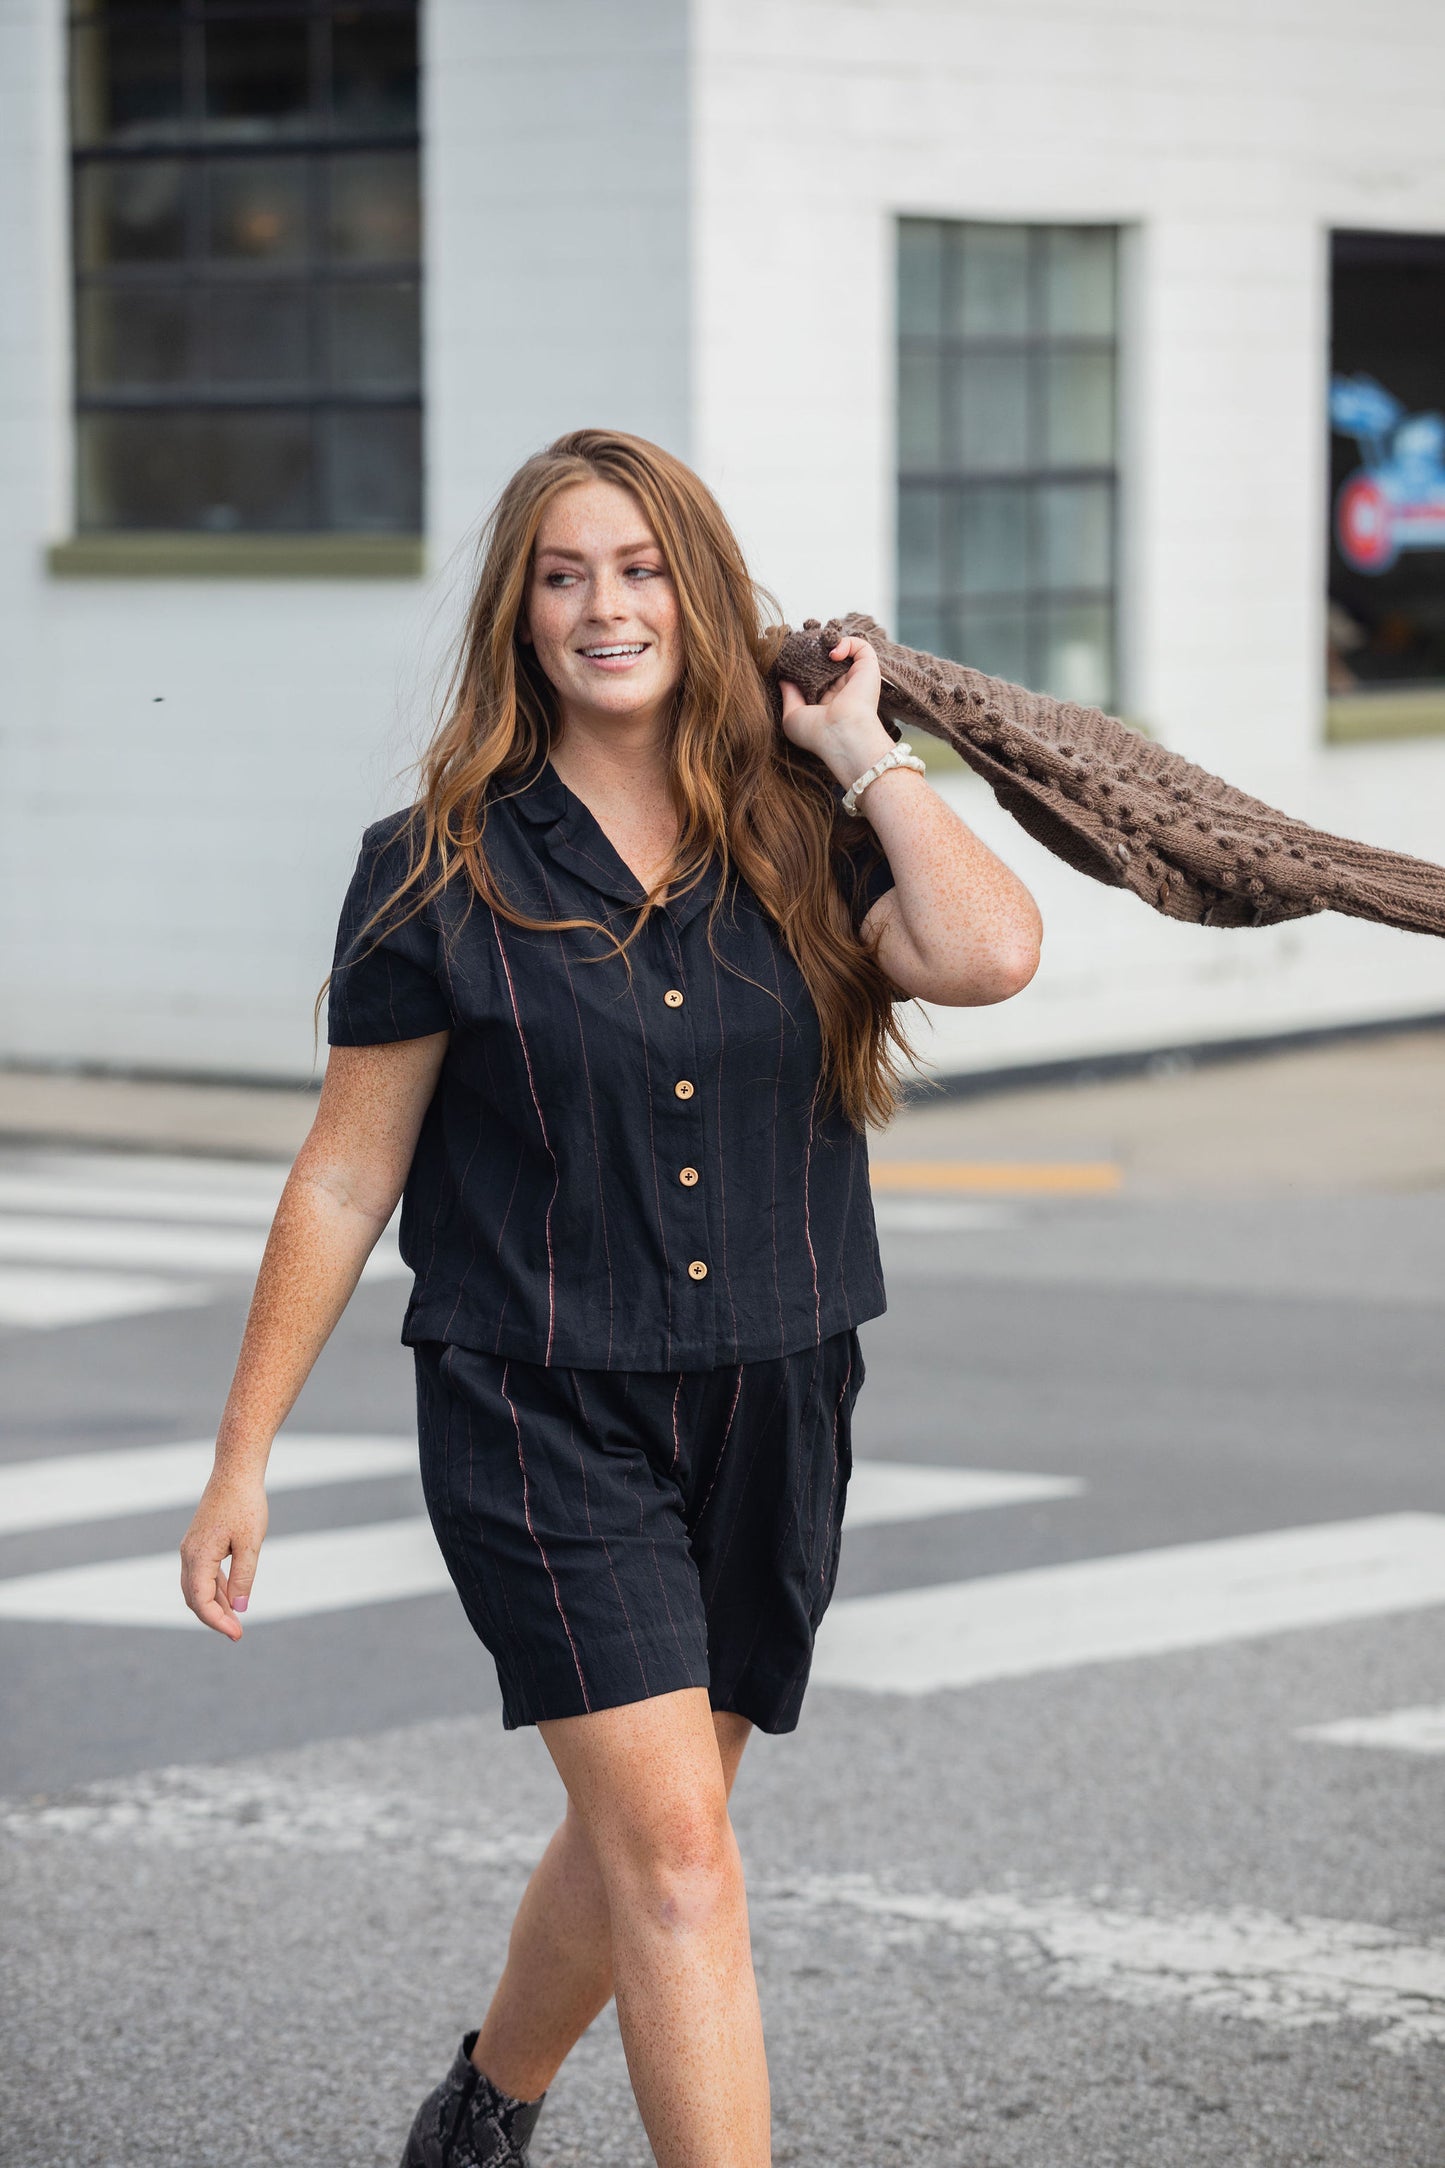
(957, 927)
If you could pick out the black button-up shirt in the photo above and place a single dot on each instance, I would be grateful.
(615, 1172)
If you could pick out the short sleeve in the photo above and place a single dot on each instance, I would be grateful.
(385, 980)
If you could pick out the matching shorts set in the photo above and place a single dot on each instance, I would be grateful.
(642, 1249)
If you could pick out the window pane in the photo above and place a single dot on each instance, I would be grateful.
(213, 472)
(257, 77)
(256, 209)
(1078, 401)
(920, 544)
(257, 336)
(1075, 534)
(375, 336)
(1077, 658)
(990, 536)
(126, 83)
(130, 213)
(920, 438)
(990, 297)
(373, 470)
(1078, 281)
(920, 276)
(987, 402)
(375, 216)
(373, 74)
(131, 337)
(994, 641)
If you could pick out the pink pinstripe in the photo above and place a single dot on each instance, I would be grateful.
(833, 1483)
(607, 1548)
(532, 1532)
(541, 1124)
(592, 1118)
(808, 1217)
(652, 1149)
(722, 1190)
(773, 1138)
(722, 1449)
(676, 1441)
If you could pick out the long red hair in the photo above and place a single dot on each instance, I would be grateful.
(742, 790)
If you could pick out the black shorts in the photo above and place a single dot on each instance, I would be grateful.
(616, 1534)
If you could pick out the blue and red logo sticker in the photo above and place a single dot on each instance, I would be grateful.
(1395, 499)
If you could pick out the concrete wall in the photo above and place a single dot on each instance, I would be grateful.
(679, 216)
(1226, 139)
(185, 767)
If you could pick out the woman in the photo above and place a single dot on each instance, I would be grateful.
(612, 1005)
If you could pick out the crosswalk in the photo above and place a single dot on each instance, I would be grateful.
(341, 1569)
(86, 1237)
(1164, 1601)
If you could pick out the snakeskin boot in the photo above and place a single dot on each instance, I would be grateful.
(468, 2123)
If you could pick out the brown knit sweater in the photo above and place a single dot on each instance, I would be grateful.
(1116, 806)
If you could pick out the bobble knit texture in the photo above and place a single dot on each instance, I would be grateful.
(1116, 806)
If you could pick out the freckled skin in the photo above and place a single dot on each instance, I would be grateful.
(957, 927)
(640, 1892)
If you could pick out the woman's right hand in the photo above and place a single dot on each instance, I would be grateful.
(229, 1522)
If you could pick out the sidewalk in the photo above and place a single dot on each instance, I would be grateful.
(1362, 1114)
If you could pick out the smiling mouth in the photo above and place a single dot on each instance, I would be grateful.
(617, 651)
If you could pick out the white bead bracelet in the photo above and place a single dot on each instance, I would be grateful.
(902, 756)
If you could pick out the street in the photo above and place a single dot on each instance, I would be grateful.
(1111, 1834)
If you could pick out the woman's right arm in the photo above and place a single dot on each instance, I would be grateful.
(338, 1197)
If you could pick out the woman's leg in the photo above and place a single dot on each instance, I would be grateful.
(558, 1975)
(647, 1783)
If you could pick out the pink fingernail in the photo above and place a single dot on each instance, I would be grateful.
(238, 1603)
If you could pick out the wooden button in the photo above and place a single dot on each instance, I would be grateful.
(687, 1177)
(673, 998)
(697, 1270)
(683, 1089)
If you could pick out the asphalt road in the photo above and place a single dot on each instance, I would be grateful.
(1058, 1870)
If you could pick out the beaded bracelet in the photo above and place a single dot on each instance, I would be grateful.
(902, 756)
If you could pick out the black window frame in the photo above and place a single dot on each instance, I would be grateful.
(1030, 346)
(199, 145)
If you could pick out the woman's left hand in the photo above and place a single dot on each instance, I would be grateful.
(843, 729)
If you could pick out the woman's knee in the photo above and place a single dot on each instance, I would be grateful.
(678, 1861)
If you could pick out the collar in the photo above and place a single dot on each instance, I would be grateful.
(539, 794)
(576, 840)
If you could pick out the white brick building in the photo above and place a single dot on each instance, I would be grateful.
(683, 217)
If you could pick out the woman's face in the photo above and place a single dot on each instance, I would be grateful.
(601, 608)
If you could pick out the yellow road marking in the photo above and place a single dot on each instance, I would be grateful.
(1059, 1177)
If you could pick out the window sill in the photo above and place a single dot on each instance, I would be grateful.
(1406, 711)
(184, 556)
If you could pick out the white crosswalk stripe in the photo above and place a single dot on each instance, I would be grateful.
(87, 1236)
(72, 1488)
(1145, 1603)
(37, 1295)
(1417, 1730)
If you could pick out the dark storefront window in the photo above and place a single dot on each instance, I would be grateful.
(1006, 433)
(1387, 462)
(247, 265)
